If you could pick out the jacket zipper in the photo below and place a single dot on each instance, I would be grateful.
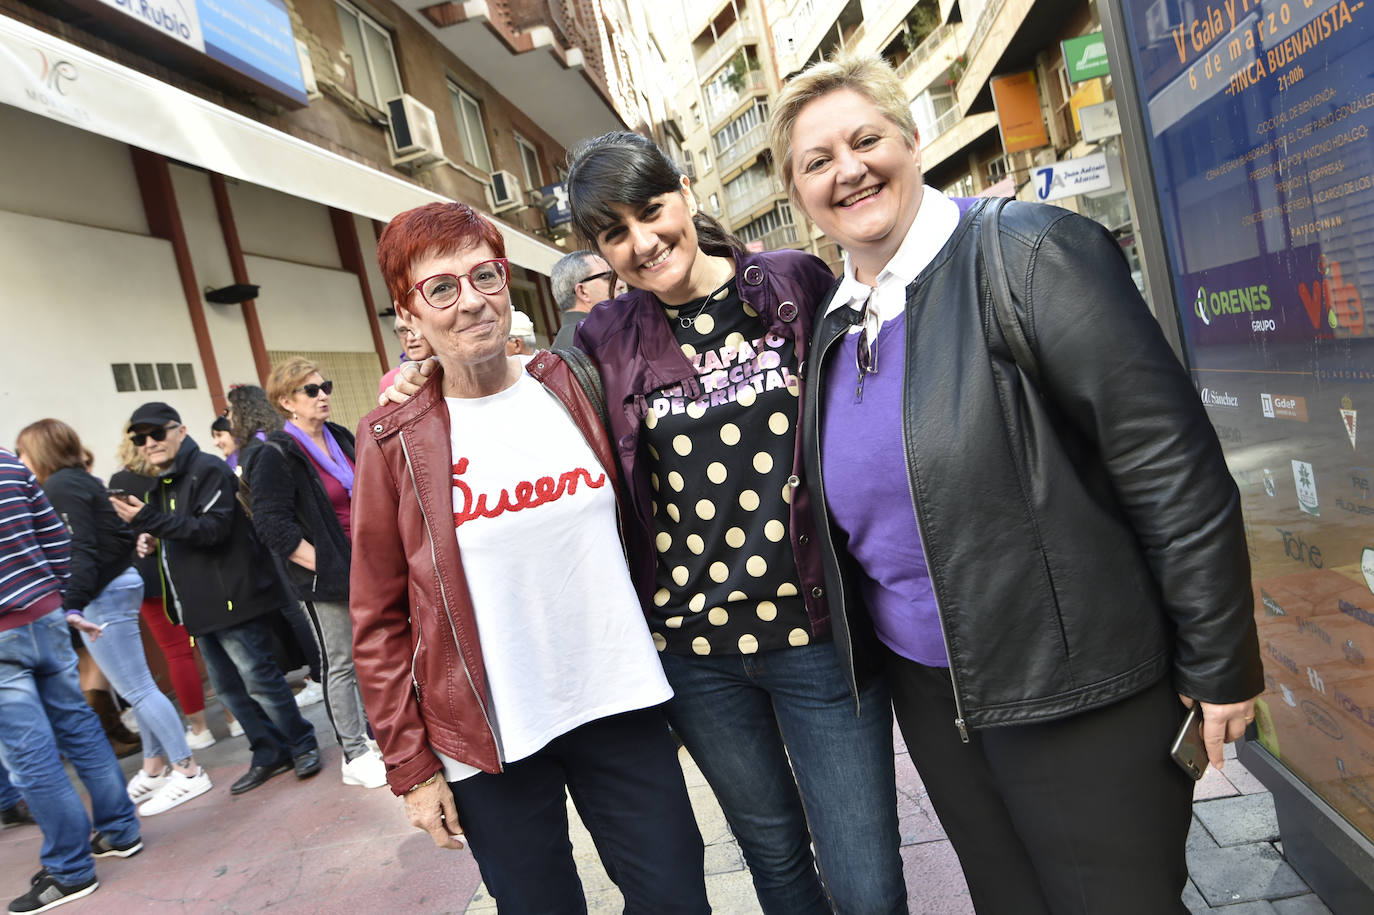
(448, 613)
(818, 360)
(959, 721)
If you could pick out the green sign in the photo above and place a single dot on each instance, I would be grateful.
(1086, 57)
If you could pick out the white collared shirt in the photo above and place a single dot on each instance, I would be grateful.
(935, 222)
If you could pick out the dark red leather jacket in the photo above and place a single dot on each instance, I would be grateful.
(415, 643)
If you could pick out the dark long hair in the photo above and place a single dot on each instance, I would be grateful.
(626, 168)
(252, 413)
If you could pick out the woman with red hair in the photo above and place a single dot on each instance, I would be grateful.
(500, 648)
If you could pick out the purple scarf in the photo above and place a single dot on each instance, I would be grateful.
(334, 463)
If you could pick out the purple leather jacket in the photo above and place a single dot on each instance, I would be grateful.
(631, 340)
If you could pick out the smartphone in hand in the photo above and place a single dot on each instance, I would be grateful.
(1188, 749)
(120, 494)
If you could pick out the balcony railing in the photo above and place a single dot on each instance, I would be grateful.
(781, 237)
(753, 81)
(925, 50)
(752, 139)
(980, 31)
(739, 207)
(943, 124)
(736, 35)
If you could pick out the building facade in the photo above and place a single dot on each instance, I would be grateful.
(195, 190)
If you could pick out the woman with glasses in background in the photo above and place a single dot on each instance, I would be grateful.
(301, 481)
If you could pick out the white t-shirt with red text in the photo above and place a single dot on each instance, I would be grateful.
(564, 640)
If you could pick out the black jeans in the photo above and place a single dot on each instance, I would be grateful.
(624, 778)
(1086, 814)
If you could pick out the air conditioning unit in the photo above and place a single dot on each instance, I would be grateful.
(414, 133)
(505, 191)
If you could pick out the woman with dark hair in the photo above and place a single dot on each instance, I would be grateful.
(500, 647)
(1022, 489)
(107, 590)
(301, 479)
(137, 477)
(700, 364)
(252, 418)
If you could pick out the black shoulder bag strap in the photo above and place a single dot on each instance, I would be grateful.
(585, 371)
(1003, 311)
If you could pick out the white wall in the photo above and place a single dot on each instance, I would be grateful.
(281, 226)
(61, 172)
(210, 261)
(309, 308)
(76, 300)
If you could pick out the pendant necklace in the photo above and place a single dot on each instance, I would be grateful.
(705, 303)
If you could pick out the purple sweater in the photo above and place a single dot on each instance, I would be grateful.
(869, 496)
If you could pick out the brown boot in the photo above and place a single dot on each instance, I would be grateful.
(124, 741)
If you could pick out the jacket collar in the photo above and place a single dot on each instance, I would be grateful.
(386, 421)
(181, 464)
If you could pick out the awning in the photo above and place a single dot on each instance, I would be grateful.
(57, 79)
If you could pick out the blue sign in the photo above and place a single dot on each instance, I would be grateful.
(554, 201)
(255, 38)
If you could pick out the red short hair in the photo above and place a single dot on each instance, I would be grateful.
(435, 228)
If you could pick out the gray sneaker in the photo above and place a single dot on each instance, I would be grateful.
(47, 892)
(102, 847)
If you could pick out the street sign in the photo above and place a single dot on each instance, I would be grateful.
(1099, 121)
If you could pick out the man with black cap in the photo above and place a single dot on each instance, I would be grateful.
(224, 586)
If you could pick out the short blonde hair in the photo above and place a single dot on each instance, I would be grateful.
(867, 74)
(285, 378)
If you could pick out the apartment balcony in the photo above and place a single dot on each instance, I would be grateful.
(987, 42)
(784, 236)
(741, 152)
(956, 135)
(525, 58)
(931, 59)
(744, 208)
(722, 110)
(807, 35)
(736, 36)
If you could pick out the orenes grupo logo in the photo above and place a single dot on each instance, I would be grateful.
(1200, 305)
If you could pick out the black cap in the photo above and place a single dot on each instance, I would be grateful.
(156, 413)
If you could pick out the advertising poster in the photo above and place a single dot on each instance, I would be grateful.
(1258, 118)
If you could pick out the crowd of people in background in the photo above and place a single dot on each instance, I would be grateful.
(739, 498)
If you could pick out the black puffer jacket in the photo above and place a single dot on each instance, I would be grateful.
(1084, 539)
(136, 484)
(102, 545)
(217, 573)
(290, 505)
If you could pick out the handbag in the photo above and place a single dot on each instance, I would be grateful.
(1003, 310)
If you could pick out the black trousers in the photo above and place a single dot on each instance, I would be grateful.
(1087, 814)
(623, 775)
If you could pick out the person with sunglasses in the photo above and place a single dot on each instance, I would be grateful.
(223, 586)
(301, 481)
(499, 643)
(580, 280)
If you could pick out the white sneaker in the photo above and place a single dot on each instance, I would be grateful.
(311, 694)
(235, 729)
(178, 790)
(143, 786)
(199, 741)
(366, 771)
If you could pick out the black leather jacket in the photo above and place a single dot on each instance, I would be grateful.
(1085, 539)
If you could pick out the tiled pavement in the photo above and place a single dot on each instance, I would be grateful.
(319, 847)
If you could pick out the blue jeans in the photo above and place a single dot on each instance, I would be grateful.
(9, 795)
(742, 717)
(45, 718)
(247, 680)
(624, 778)
(119, 654)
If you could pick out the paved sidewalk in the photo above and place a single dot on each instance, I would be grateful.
(296, 848)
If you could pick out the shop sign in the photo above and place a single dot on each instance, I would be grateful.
(1019, 117)
(1283, 406)
(251, 37)
(1085, 57)
(557, 210)
(1071, 178)
(1099, 121)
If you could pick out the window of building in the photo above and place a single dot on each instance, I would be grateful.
(961, 188)
(529, 161)
(705, 156)
(754, 117)
(471, 128)
(772, 221)
(374, 61)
